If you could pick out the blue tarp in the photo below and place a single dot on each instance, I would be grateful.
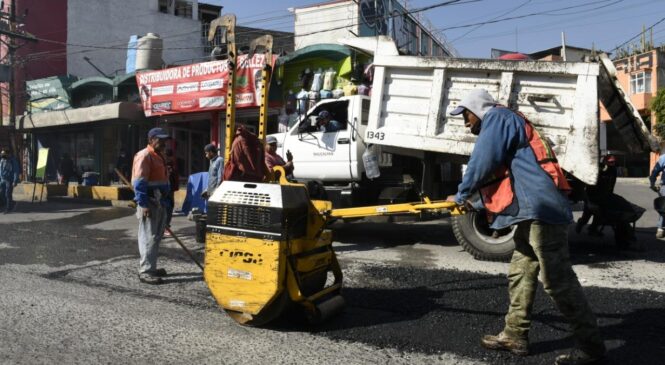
(196, 185)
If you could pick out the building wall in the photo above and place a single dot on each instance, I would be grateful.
(647, 62)
(333, 20)
(110, 23)
(653, 63)
(341, 17)
(46, 20)
(282, 41)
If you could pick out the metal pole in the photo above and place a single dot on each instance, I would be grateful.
(563, 46)
(10, 52)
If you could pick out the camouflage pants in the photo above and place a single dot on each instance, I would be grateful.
(544, 247)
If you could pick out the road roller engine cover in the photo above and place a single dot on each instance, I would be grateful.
(267, 249)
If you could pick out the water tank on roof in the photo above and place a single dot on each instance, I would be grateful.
(149, 52)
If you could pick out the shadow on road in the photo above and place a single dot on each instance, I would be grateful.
(434, 311)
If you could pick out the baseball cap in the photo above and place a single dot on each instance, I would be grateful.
(158, 133)
(271, 139)
(323, 114)
(458, 110)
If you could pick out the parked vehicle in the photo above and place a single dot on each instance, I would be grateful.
(421, 150)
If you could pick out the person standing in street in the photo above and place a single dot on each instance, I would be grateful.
(8, 180)
(151, 191)
(124, 163)
(66, 169)
(215, 170)
(174, 185)
(657, 170)
(520, 183)
(273, 159)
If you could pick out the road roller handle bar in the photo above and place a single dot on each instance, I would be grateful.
(437, 206)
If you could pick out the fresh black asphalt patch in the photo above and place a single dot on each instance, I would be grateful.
(436, 311)
(410, 309)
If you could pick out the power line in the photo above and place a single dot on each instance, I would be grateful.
(637, 35)
(496, 17)
(523, 16)
(407, 12)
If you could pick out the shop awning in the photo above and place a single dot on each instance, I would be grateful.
(126, 78)
(335, 52)
(92, 81)
(122, 111)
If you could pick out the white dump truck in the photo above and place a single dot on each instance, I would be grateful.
(421, 149)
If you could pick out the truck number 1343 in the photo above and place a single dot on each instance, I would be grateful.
(376, 135)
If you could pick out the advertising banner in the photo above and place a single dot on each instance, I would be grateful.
(42, 159)
(200, 86)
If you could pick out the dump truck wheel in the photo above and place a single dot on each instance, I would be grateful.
(483, 243)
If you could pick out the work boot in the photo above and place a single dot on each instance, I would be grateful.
(501, 341)
(579, 225)
(150, 278)
(579, 357)
(660, 233)
(159, 273)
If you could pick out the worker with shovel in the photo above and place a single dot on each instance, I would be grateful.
(151, 189)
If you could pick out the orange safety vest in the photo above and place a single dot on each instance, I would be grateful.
(498, 193)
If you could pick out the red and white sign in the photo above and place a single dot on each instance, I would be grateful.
(200, 86)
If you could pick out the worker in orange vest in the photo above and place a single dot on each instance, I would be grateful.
(521, 184)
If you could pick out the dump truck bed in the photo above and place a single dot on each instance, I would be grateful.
(412, 97)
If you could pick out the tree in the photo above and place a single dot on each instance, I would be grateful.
(658, 108)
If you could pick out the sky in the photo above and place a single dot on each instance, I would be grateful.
(604, 24)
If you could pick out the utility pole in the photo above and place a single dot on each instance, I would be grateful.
(11, 49)
(11, 32)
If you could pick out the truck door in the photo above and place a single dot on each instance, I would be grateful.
(320, 155)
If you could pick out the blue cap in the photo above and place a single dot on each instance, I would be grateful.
(457, 110)
(271, 139)
(323, 114)
(158, 133)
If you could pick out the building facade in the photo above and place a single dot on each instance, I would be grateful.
(78, 96)
(641, 76)
(329, 21)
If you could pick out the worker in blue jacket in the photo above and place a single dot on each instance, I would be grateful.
(657, 169)
(503, 168)
(8, 180)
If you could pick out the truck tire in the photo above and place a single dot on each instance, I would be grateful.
(474, 234)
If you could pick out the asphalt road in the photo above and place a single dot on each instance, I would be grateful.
(70, 294)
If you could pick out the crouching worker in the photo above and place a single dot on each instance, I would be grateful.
(521, 183)
(151, 190)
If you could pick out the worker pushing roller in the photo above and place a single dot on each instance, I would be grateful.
(267, 245)
(520, 183)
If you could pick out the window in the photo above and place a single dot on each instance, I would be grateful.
(180, 8)
(640, 82)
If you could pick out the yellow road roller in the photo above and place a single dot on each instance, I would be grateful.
(267, 250)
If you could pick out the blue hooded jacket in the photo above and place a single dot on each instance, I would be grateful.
(502, 142)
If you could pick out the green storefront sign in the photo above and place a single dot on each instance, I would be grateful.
(49, 93)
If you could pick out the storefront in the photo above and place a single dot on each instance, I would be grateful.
(92, 137)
